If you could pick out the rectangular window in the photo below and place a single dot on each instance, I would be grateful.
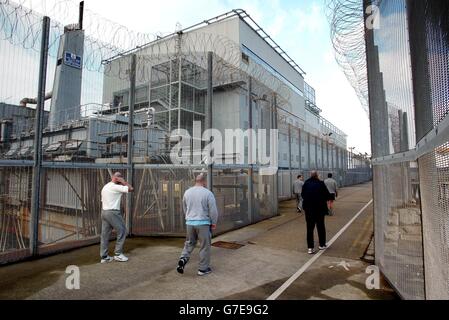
(142, 94)
(121, 99)
(270, 69)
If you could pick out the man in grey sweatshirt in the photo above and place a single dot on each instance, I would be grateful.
(332, 186)
(297, 190)
(201, 214)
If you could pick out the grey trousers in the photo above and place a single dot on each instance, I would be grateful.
(298, 201)
(112, 219)
(203, 234)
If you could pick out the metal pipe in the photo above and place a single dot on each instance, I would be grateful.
(81, 15)
(25, 101)
(170, 111)
(151, 112)
(130, 171)
(179, 82)
(37, 166)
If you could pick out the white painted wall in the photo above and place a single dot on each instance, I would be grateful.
(253, 41)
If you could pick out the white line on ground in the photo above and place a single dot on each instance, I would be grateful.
(306, 266)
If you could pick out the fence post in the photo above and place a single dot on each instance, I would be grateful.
(340, 166)
(308, 151)
(275, 107)
(322, 154)
(130, 151)
(209, 102)
(332, 158)
(337, 161)
(300, 150)
(38, 126)
(250, 151)
(290, 160)
(350, 159)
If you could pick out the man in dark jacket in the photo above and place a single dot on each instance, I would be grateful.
(315, 196)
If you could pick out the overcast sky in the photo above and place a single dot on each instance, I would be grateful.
(299, 26)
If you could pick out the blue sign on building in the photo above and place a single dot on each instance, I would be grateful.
(72, 60)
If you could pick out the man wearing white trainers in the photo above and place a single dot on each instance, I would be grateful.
(111, 217)
(315, 196)
(201, 214)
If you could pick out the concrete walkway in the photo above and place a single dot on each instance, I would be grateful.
(272, 252)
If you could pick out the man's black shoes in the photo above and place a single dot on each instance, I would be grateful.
(181, 264)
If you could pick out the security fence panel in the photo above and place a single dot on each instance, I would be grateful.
(357, 176)
(325, 164)
(231, 192)
(15, 206)
(265, 200)
(70, 206)
(319, 155)
(409, 120)
(304, 151)
(429, 50)
(157, 200)
(295, 145)
(312, 154)
(398, 230)
(285, 189)
(434, 180)
(333, 158)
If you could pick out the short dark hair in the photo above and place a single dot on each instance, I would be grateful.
(300, 176)
(117, 175)
(200, 178)
(329, 175)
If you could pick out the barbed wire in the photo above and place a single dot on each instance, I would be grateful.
(21, 26)
(19, 14)
(346, 21)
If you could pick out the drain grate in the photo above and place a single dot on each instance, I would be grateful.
(227, 245)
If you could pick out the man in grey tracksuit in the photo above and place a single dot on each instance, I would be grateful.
(297, 190)
(201, 214)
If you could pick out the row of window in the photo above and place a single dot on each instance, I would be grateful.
(248, 53)
(309, 93)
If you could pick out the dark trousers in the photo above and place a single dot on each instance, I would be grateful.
(317, 220)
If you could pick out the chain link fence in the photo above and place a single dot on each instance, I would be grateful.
(70, 206)
(408, 80)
